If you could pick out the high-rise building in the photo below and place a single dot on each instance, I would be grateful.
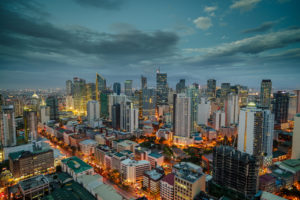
(90, 91)
(93, 111)
(182, 118)
(51, 101)
(116, 112)
(250, 131)
(180, 86)
(69, 88)
(211, 87)
(268, 134)
(281, 106)
(133, 171)
(104, 109)
(225, 90)
(297, 93)
(219, 119)
(100, 85)
(232, 109)
(128, 116)
(115, 99)
(296, 138)
(30, 125)
(235, 170)
(117, 88)
(128, 87)
(161, 88)
(7, 126)
(79, 95)
(203, 113)
(292, 106)
(149, 102)
(265, 93)
(144, 82)
(193, 93)
(44, 114)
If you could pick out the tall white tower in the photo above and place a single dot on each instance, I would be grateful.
(93, 111)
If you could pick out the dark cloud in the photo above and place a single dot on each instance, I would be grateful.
(262, 28)
(105, 4)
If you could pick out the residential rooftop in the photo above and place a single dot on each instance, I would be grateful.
(76, 164)
(33, 182)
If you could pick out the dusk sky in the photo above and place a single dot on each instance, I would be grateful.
(44, 43)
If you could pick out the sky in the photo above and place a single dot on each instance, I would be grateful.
(44, 43)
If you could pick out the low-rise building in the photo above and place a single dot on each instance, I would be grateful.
(76, 167)
(167, 187)
(155, 159)
(26, 163)
(267, 183)
(34, 188)
(151, 180)
(76, 138)
(126, 145)
(87, 147)
(133, 171)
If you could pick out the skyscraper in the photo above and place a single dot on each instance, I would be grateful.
(281, 106)
(203, 113)
(268, 133)
(211, 87)
(128, 116)
(236, 170)
(161, 88)
(30, 124)
(116, 112)
(182, 119)
(100, 85)
(51, 101)
(128, 87)
(232, 109)
(90, 91)
(296, 138)
(117, 88)
(149, 102)
(225, 90)
(93, 112)
(144, 82)
(79, 95)
(69, 88)
(180, 86)
(8, 127)
(193, 93)
(250, 131)
(265, 93)
(297, 93)
(44, 114)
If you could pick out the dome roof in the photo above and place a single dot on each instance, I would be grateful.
(251, 104)
(35, 96)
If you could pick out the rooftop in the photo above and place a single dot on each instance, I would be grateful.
(88, 142)
(154, 174)
(134, 162)
(76, 164)
(155, 155)
(33, 182)
(169, 178)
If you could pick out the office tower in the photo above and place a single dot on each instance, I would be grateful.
(193, 93)
(219, 119)
(117, 88)
(26, 163)
(297, 93)
(18, 106)
(116, 112)
(8, 127)
(203, 113)
(281, 106)
(235, 170)
(232, 109)
(296, 138)
(69, 88)
(104, 113)
(133, 171)
(90, 91)
(44, 114)
(144, 82)
(149, 102)
(268, 133)
(128, 116)
(243, 96)
(93, 112)
(225, 90)
(182, 118)
(79, 95)
(265, 93)
(128, 87)
(188, 182)
(180, 86)
(100, 85)
(51, 101)
(250, 131)
(30, 124)
(161, 88)
(292, 106)
(211, 87)
(114, 99)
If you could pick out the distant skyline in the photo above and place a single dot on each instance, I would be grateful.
(44, 43)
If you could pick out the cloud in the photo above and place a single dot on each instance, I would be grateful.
(209, 9)
(261, 28)
(203, 23)
(254, 45)
(244, 5)
(105, 4)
